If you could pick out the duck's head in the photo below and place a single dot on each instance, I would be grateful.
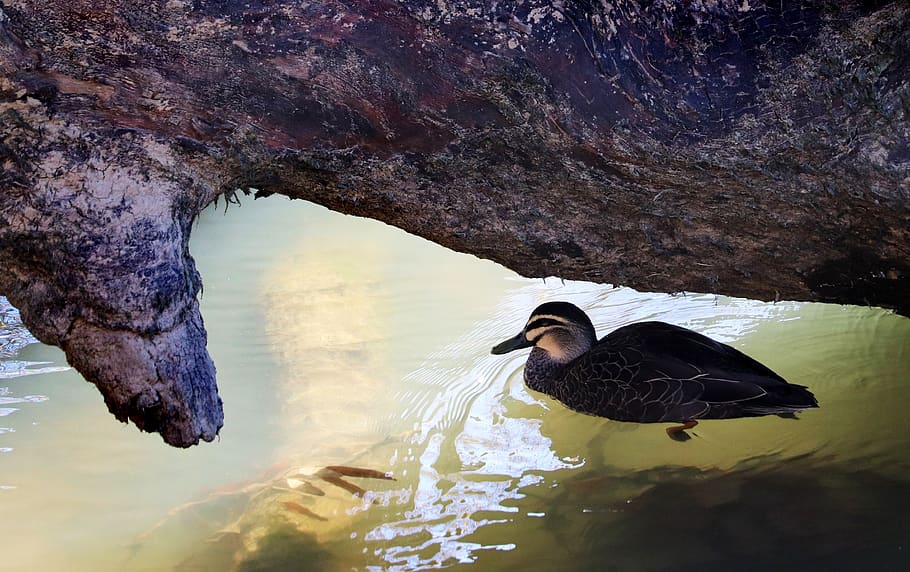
(560, 329)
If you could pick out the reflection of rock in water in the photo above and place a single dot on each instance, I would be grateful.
(286, 548)
(283, 547)
(797, 516)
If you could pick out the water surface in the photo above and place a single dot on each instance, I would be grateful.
(341, 341)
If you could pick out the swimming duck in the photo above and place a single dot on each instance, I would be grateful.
(648, 372)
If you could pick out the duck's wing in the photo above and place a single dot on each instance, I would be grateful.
(660, 346)
(660, 366)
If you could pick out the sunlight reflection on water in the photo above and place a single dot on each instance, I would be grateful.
(354, 344)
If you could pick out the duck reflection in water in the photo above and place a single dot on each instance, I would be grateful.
(648, 372)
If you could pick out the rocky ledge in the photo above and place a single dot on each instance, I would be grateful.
(756, 149)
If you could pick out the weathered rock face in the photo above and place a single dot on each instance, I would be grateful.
(747, 148)
(94, 245)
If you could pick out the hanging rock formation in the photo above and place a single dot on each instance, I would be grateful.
(750, 148)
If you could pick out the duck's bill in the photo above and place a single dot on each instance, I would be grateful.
(516, 343)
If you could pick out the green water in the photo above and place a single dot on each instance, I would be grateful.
(340, 341)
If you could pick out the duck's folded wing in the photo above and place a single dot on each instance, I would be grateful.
(653, 371)
(657, 343)
(718, 390)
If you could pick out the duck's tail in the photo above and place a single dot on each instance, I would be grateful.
(784, 400)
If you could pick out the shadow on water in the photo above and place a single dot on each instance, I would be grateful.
(798, 514)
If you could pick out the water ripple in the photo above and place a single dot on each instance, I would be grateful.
(24, 399)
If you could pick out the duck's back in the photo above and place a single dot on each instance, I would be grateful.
(653, 371)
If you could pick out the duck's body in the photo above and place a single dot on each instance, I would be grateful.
(648, 372)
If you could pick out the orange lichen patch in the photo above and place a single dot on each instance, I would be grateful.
(67, 84)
